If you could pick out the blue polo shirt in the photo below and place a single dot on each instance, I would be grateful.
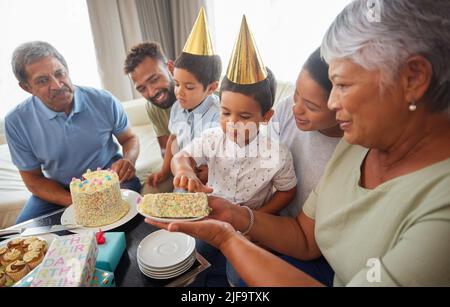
(66, 146)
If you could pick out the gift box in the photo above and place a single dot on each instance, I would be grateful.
(69, 262)
(103, 279)
(100, 279)
(111, 251)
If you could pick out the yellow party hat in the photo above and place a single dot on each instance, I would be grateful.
(199, 41)
(246, 66)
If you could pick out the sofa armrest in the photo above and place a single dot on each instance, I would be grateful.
(136, 112)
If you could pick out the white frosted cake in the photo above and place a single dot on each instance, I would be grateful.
(97, 199)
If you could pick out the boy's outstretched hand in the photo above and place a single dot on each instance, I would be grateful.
(190, 182)
(155, 178)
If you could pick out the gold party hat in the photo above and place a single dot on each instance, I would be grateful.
(246, 66)
(199, 41)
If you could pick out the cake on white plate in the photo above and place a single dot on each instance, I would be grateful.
(176, 205)
(97, 199)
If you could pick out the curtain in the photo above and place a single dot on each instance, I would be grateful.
(118, 25)
(184, 14)
(168, 22)
(155, 23)
(115, 29)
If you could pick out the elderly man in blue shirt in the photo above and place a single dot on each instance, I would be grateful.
(62, 130)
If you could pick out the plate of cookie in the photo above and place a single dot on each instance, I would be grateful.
(21, 255)
(174, 207)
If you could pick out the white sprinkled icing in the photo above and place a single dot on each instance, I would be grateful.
(97, 199)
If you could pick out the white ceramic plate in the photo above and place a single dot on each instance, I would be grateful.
(162, 249)
(131, 197)
(190, 261)
(170, 275)
(169, 220)
(167, 269)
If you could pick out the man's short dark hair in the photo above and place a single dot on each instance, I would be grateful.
(138, 54)
(263, 92)
(205, 68)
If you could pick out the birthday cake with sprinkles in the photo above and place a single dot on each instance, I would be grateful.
(97, 199)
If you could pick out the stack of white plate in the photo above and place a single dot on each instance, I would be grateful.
(164, 255)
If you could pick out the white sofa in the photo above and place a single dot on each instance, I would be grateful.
(13, 193)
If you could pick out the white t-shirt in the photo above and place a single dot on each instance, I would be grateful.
(243, 175)
(311, 151)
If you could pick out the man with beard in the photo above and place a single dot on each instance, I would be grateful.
(151, 73)
(62, 130)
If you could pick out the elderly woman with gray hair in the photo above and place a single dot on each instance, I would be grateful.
(381, 213)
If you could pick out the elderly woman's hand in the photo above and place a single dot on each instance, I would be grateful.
(214, 232)
(222, 209)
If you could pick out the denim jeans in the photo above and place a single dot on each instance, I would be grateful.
(319, 269)
(215, 275)
(35, 206)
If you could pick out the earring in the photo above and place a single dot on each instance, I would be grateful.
(412, 106)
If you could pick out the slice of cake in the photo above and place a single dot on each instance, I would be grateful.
(175, 205)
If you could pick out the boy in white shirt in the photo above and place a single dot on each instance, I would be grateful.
(244, 166)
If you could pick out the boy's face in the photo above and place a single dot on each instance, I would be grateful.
(189, 92)
(310, 105)
(240, 117)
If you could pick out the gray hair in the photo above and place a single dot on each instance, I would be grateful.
(30, 52)
(383, 34)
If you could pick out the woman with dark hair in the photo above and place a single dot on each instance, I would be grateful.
(304, 123)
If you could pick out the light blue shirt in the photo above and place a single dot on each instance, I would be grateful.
(66, 146)
(187, 125)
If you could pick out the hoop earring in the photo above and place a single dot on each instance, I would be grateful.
(412, 106)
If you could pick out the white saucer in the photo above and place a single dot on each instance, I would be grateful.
(166, 269)
(169, 220)
(163, 249)
(172, 274)
(189, 263)
(131, 197)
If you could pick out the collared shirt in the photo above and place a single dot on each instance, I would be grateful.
(189, 124)
(244, 175)
(65, 146)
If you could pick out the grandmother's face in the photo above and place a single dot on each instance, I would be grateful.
(368, 116)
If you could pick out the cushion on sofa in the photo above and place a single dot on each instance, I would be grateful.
(13, 192)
